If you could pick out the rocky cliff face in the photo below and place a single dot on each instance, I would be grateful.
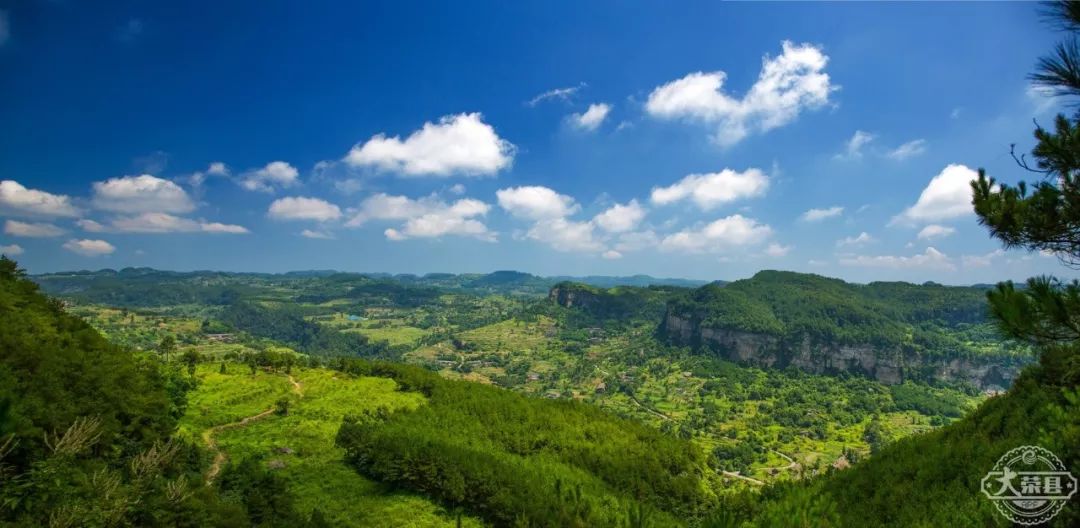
(571, 296)
(885, 365)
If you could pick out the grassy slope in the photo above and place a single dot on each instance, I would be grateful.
(314, 469)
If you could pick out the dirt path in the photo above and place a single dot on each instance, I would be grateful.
(297, 388)
(649, 409)
(791, 463)
(741, 477)
(211, 443)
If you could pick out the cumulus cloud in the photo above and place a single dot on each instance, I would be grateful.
(777, 250)
(592, 118)
(11, 250)
(18, 200)
(933, 231)
(854, 146)
(457, 219)
(611, 254)
(535, 202)
(908, 150)
(31, 229)
(275, 175)
(860, 240)
(817, 215)
(140, 194)
(787, 85)
(427, 217)
(929, 259)
(158, 223)
(303, 208)
(457, 144)
(563, 234)
(709, 191)
(620, 218)
(216, 168)
(981, 261)
(89, 248)
(732, 232)
(948, 195)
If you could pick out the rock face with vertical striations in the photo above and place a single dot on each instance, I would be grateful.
(887, 331)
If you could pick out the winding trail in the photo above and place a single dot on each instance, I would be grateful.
(791, 463)
(742, 477)
(208, 435)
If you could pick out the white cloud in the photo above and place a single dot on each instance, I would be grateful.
(948, 195)
(5, 34)
(535, 202)
(12, 250)
(427, 217)
(217, 227)
(592, 118)
(91, 225)
(862, 239)
(777, 250)
(31, 229)
(611, 254)
(908, 150)
(981, 261)
(933, 231)
(709, 191)
(1043, 97)
(89, 248)
(558, 93)
(787, 85)
(930, 259)
(457, 189)
(276, 174)
(303, 208)
(216, 168)
(817, 215)
(620, 218)
(18, 200)
(565, 235)
(141, 194)
(636, 241)
(724, 234)
(158, 223)
(457, 144)
(321, 235)
(854, 146)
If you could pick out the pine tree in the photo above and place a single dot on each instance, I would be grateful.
(1045, 215)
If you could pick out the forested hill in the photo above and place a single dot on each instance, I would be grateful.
(147, 287)
(891, 331)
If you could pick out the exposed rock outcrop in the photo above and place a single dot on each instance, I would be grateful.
(889, 366)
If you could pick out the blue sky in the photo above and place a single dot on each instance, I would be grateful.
(705, 140)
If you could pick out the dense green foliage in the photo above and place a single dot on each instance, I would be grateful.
(511, 458)
(926, 319)
(289, 326)
(86, 431)
(935, 479)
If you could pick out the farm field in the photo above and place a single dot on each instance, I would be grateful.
(300, 445)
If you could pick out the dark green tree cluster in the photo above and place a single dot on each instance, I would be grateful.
(86, 432)
(289, 326)
(511, 458)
